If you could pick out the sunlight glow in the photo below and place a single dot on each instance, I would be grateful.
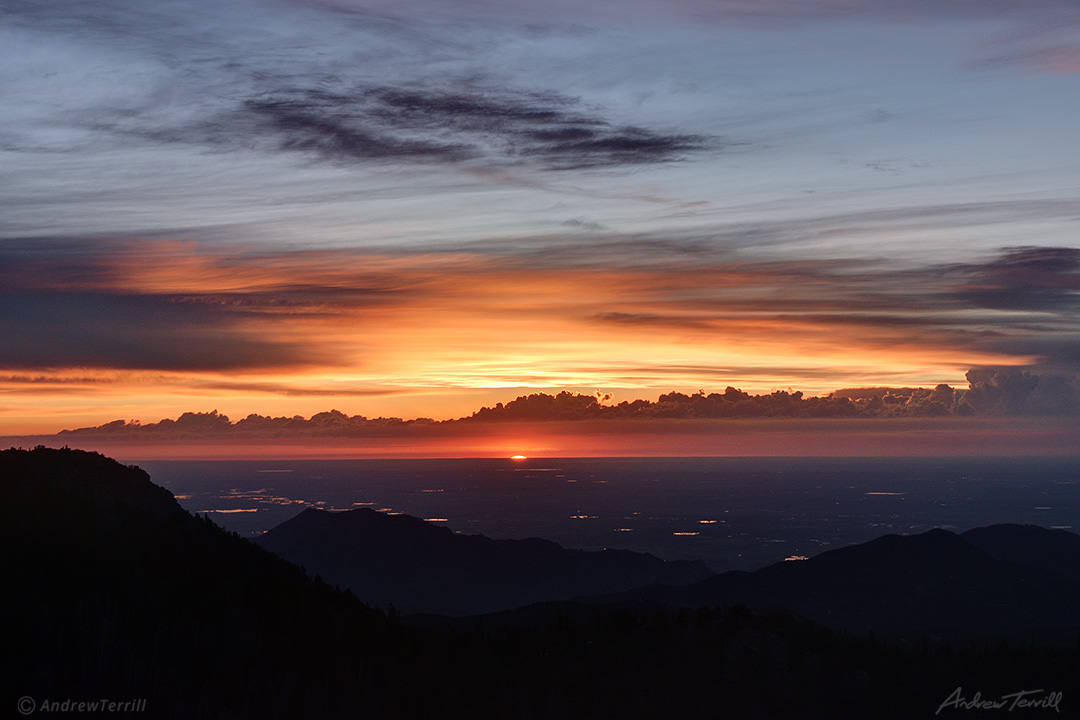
(447, 340)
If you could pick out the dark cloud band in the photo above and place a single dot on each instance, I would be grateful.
(68, 304)
(426, 124)
(131, 331)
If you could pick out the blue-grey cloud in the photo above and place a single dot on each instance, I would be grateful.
(64, 304)
(131, 331)
(782, 12)
(1026, 278)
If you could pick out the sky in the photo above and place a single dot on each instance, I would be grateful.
(416, 208)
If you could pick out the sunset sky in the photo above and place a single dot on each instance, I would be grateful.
(416, 208)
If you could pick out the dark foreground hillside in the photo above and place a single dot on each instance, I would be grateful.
(113, 591)
(123, 594)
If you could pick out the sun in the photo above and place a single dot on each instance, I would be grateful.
(518, 457)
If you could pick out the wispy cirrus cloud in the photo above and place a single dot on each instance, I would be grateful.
(379, 90)
(568, 11)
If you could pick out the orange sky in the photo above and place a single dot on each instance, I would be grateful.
(173, 327)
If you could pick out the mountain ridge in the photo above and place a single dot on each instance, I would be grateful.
(418, 566)
(936, 580)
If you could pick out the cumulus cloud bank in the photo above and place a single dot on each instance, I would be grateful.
(992, 392)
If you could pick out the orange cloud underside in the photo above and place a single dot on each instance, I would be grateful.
(431, 335)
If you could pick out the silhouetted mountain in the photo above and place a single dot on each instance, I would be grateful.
(1057, 551)
(421, 567)
(114, 591)
(933, 581)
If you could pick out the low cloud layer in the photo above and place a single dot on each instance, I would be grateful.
(992, 392)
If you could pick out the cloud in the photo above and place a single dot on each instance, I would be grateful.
(582, 224)
(331, 128)
(1023, 303)
(630, 12)
(992, 392)
(214, 425)
(38, 380)
(503, 317)
(64, 330)
(1033, 295)
(292, 390)
(377, 88)
(839, 238)
(1026, 278)
(1057, 58)
(39, 386)
(430, 124)
(1016, 391)
(112, 304)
